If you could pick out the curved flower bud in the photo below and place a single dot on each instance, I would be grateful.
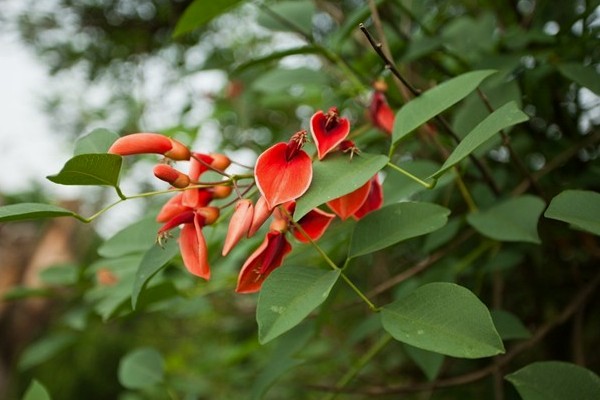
(220, 161)
(374, 199)
(261, 214)
(350, 203)
(328, 130)
(314, 224)
(283, 172)
(179, 152)
(262, 262)
(170, 175)
(141, 143)
(221, 191)
(239, 224)
(380, 113)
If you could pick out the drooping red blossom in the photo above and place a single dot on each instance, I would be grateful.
(263, 261)
(150, 143)
(348, 204)
(170, 175)
(314, 224)
(328, 130)
(380, 113)
(191, 240)
(198, 165)
(239, 224)
(283, 172)
(374, 199)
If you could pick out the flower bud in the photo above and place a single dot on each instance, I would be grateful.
(141, 143)
(220, 161)
(179, 151)
(222, 191)
(170, 175)
(210, 214)
(239, 224)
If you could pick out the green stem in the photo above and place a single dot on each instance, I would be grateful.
(360, 364)
(411, 176)
(464, 191)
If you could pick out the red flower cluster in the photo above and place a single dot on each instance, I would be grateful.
(282, 174)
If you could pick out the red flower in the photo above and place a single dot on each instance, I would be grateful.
(261, 214)
(314, 224)
(283, 172)
(374, 199)
(380, 113)
(350, 203)
(143, 143)
(328, 130)
(239, 224)
(170, 175)
(263, 261)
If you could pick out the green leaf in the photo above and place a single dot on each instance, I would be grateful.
(201, 12)
(429, 362)
(280, 80)
(299, 13)
(141, 368)
(274, 56)
(154, 260)
(136, 237)
(394, 223)
(555, 380)
(90, 169)
(18, 212)
(44, 349)
(435, 101)
(580, 208)
(336, 176)
(509, 326)
(507, 115)
(288, 295)
(583, 75)
(514, 220)
(36, 391)
(63, 275)
(444, 318)
(97, 141)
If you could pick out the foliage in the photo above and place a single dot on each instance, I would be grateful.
(459, 270)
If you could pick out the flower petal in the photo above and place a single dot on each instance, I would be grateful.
(350, 203)
(328, 130)
(374, 200)
(381, 114)
(262, 262)
(280, 179)
(261, 214)
(171, 208)
(239, 224)
(314, 224)
(193, 249)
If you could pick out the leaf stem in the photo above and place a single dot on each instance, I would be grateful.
(411, 176)
(465, 192)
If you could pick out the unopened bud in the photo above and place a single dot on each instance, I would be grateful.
(210, 214)
(179, 151)
(220, 161)
(221, 191)
(141, 143)
(170, 175)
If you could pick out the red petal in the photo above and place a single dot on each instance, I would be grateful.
(141, 143)
(314, 224)
(262, 262)
(350, 203)
(185, 217)
(171, 208)
(195, 198)
(327, 138)
(381, 114)
(261, 214)
(199, 164)
(170, 175)
(374, 199)
(193, 249)
(240, 223)
(279, 179)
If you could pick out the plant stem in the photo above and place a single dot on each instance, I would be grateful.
(411, 176)
(464, 191)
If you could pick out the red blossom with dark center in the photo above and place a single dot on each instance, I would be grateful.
(374, 199)
(262, 262)
(328, 130)
(380, 113)
(283, 172)
(350, 203)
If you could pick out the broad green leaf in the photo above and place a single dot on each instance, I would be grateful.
(509, 326)
(36, 391)
(136, 237)
(201, 12)
(336, 176)
(580, 208)
(280, 80)
(299, 13)
(90, 169)
(60, 275)
(435, 101)
(18, 212)
(97, 141)
(394, 223)
(514, 220)
(444, 318)
(44, 349)
(288, 295)
(555, 380)
(154, 260)
(429, 362)
(507, 115)
(141, 368)
(583, 75)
